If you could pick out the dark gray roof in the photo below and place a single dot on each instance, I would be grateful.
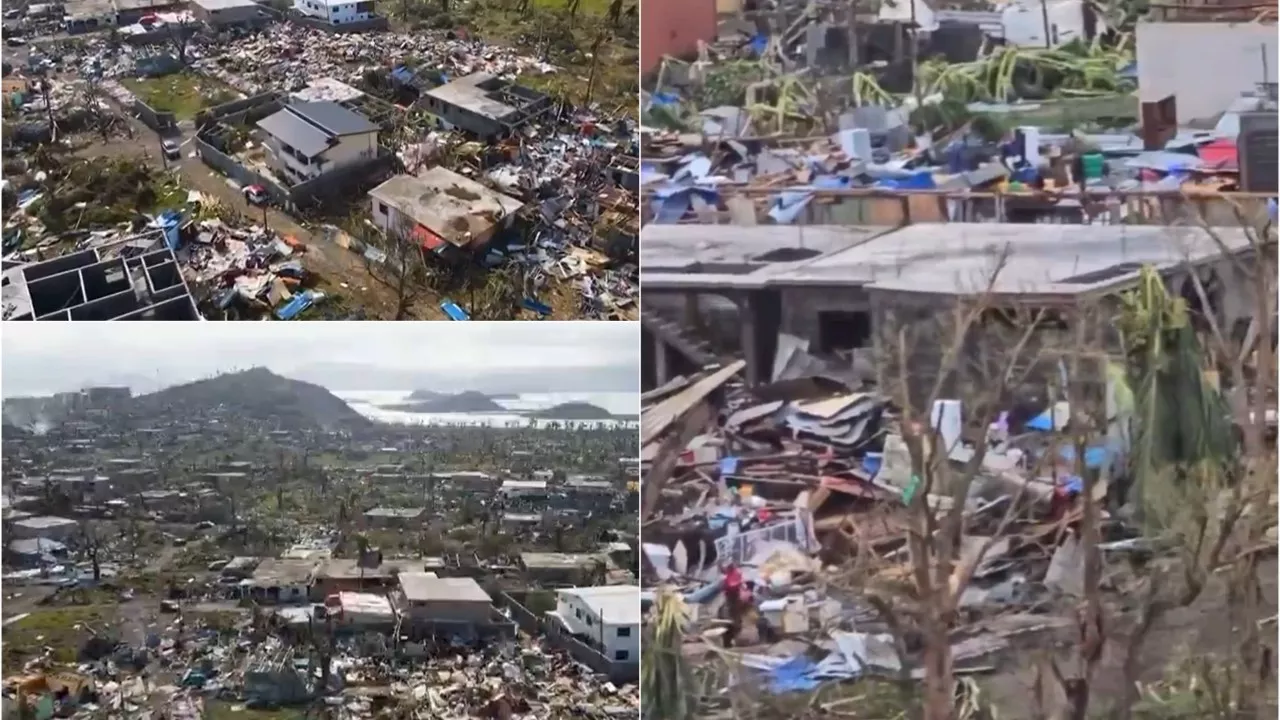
(333, 118)
(290, 128)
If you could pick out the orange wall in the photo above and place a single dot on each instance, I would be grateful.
(673, 27)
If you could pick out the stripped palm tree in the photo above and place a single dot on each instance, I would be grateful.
(665, 678)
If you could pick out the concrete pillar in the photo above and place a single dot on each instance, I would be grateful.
(761, 313)
(661, 361)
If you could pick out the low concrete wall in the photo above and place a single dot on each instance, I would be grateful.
(339, 183)
(592, 658)
(227, 109)
(374, 25)
(160, 121)
(235, 170)
(523, 617)
(347, 182)
(578, 650)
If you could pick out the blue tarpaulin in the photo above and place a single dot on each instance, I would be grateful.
(788, 205)
(296, 305)
(721, 517)
(454, 312)
(1094, 457)
(922, 180)
(728, 465)
(402, 73)
(671, 203)
(795, 675)
(169, 221)
(540, 308)
(758, 44)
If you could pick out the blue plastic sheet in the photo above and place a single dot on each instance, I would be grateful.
(296, 305)
(540, 308)
(758, 44)
(728, 465)
(1094, 457)
(671, 203)
(788, 205)
(795, 675)
(454, 312)
(169, 221)
(721, 517)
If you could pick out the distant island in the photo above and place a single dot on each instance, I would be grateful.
(425, 401)
(428, 401)
(572, 411)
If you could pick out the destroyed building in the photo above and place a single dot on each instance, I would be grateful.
(483, 105)
(713, 291)
(90, 285)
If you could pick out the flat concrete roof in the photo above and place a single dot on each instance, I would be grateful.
(284, 572)
(613, 604)
(212, 5)
(960, 258)
(454, 207)
(928, 258)
(426, 587)
(466, 92)
(730, 256)
(45, 521)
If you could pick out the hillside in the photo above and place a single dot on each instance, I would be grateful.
(258, 396)
(463, 402)
(572, 411)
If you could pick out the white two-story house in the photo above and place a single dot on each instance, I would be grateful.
(336, 12)
(606, 617)
(305, 140)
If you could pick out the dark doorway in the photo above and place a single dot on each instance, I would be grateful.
(841, 330)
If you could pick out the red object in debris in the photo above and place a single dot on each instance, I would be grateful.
(1220, 155)
(428, 239)
(149, 19)
(732, 578)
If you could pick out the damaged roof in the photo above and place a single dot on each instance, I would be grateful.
(454, 207)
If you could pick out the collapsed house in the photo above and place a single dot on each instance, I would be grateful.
(94, 285)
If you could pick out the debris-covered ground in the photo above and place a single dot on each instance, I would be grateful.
(568, 253)
(178, 585)
(800, 116)
(814, 545)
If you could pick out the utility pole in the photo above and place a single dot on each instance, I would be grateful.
(1044, 16)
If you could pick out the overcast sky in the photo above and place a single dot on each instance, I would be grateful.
(43, 357)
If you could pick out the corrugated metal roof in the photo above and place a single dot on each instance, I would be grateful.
(291, 129)
(332, 117)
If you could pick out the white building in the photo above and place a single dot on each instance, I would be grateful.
(46, 527)
(335, 12)
(605, 617)
(305, 140)
(524, 488)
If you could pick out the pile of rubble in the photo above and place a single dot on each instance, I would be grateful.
(189, 665)
(788, 503)
(289, 56)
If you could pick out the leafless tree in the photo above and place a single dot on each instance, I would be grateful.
(178, 36)
(400, 263)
